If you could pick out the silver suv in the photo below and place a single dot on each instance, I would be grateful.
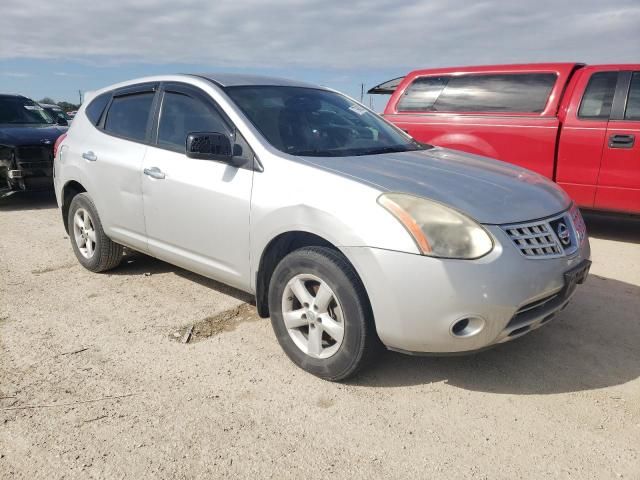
(350, 233)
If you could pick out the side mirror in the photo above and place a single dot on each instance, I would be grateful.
(214, 146)
(62, 121)
(209, 146)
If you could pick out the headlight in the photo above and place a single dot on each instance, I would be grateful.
(439, 231)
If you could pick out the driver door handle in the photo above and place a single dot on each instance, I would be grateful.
(621, 141)
(154, 172)
(90, 156)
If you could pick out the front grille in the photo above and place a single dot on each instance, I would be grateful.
(34, 154)
(549, 238)
(534, 239)
(34, 165)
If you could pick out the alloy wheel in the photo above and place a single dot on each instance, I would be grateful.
(313, 316)
(84, 233)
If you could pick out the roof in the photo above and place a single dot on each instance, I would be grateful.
(514, 67)
(238, 80)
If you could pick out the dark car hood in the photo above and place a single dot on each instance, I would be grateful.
(18, 135)
(487, 190)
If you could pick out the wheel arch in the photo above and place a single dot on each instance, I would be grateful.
(69, 191)
(276, 249)
(465, 142)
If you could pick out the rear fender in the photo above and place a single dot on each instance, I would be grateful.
(465, 143)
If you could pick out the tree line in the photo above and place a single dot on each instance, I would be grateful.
(65, 106)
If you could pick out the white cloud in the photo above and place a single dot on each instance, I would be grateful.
(67, 74)
(321, 33)
(15, 74)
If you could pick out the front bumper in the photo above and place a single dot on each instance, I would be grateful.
(27, 167)
(416, 300)
(31, 176)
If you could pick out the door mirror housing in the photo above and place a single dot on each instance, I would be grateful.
(62, 121)
(214, 146)
(209, 146)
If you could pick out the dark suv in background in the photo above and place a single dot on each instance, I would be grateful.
(57, 112)
(27, 136)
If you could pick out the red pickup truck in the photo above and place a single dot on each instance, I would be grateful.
(577, 124)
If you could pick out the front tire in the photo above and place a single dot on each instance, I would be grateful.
(320, 313)
(94, 250)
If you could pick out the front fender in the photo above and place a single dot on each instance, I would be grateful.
(343, 212)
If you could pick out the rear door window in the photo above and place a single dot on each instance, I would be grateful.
(598, 96)
(503, 93)
(128, 116)
(632, 111)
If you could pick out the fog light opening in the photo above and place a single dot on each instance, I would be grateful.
(467, 327)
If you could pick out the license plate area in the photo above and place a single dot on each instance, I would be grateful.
(576, 276)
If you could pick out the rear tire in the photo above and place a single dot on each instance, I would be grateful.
(94, 250)
(329, 329)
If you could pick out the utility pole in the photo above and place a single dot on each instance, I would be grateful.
(80, 96)
(362, 93)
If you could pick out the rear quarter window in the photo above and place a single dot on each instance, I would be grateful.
(96, 107)
(502, 93)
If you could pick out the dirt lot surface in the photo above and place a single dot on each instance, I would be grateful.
(96, 383)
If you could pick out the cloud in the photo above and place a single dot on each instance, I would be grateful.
(67, 74)
(15, 74)
(322, 34)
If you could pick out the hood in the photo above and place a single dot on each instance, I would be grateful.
(19, 135)
(487, 190)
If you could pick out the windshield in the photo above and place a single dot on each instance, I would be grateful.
(57, 112)
(313, 122)
(19, 110)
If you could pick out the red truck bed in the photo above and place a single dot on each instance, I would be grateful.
(573, 123)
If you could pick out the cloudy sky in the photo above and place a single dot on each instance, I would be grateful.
(55, 48)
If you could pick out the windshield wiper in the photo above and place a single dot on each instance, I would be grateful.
(381, 150)
(315, 153)
(411, 147)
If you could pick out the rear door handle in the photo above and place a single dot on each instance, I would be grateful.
(621, 141)
(90, 156)
(154, 172)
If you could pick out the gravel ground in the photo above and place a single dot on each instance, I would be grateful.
(95, 382)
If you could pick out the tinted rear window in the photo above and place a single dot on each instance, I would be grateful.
(519, 93)
(96, 107)
(633, 101)
(128, 115)
(598, 96)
